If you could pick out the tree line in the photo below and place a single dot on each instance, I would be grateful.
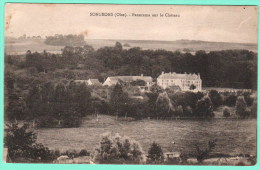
(228, 68)
(51, 105)
(169, 103)
(64, 104)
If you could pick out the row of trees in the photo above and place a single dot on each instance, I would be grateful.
(58, 104)
(229, 68)
(51, 105)
(168, 103)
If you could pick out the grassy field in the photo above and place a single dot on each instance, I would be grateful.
(233, 136)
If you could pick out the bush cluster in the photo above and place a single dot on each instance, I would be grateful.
(116, 149)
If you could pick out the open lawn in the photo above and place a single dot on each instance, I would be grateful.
(234, 136)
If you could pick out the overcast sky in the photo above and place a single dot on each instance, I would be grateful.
(208, 23)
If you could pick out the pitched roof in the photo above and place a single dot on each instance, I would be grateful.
(131, 78)
(94, 81)
(179, 76)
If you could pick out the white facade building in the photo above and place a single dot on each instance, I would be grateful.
(184, 81)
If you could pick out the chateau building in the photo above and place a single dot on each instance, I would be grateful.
(186, 82)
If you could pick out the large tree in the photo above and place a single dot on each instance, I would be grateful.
(118, 100)
(204, 107)
(241, 106)
(16, 108)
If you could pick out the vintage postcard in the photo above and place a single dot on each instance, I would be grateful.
(130, 84)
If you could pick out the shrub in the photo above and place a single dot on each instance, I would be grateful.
(249, 100)
(118, 149)
(241, 106)
(179, 111)
(39, 152)
(226, 112)
(156, 89)
(164, 106)
(155, 154)
(204, 107)
(84, 152)
(187, 111)
(216, 98)
(202, 154)
(185, 99)
(254, 110)
(71, 153)
(199, 95)
(57, 153)
(172, 89)
(247, 112)
(230, 100)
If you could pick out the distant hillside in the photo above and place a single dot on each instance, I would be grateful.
(21, 46)
(181, 45)
(65, 40)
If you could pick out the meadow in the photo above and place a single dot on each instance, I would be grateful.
(234, 136)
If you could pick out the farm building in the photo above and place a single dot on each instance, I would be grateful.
(93, 82)
(185, 81)
(90, 82)
(81, 81)
(128, 79)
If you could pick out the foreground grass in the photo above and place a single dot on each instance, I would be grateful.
(233, 136)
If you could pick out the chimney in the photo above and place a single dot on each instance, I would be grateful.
(142, 75)
(162, 72)
(199, 75)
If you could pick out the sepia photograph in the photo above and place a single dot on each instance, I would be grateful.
(130, 84)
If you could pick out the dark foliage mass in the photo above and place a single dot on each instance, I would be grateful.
(230, 100)
(226, 112)
(40, 87)
(216, 98)
(205, 107)
(21, 142)
(229, 68)
(119, 149)
(50, 105)
(202, 154)
(155, 154)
